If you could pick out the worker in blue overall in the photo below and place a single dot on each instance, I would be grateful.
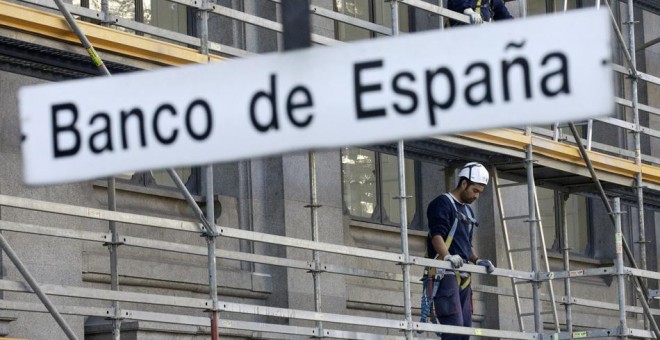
(479, 11)
(451, 225)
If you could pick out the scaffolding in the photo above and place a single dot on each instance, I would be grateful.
(533, 145)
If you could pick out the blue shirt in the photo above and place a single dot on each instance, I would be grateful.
(441, 216)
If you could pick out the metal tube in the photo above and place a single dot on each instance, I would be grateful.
(105, 9)
(405, 266)
(314, 205)
(590, 131)
(621, 276)
(566, 256)
(210, 242)
(112, 248)
(531, 194)
(637, 135)
(35, 287)
(210, 229)
(403, 207)
(209, 192)
(204, 27)
(81, 36)
(523, 8)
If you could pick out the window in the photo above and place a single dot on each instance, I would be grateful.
(579, 224)
(159, 13)
(371, 187)
(549, 6)
(376, 11)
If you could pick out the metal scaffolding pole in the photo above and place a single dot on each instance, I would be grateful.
(105, 9)
(533, 221)
(637, 134)
(403, 207)
(621, 276)
(209, 192)
(314, 205)
(566, 257)
(405, 265)
(113, 246)
(211, 260)
(81, 36)
(297, 34)
(35, 287)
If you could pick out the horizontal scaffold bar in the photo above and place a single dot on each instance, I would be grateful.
(600, 333)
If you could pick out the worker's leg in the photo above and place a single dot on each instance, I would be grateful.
(466, 303)
(448, 306)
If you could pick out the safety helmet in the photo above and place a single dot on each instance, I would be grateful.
(474, 172)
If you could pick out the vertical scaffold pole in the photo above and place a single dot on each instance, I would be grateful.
(403, 207)
(637, 133)
(296, 25)
(113, 247)
(314, 205)
(533, 220)
(211, 235)
(405, 265)
(210, 242)
(621, 276)
(566, 250)
(105, 9)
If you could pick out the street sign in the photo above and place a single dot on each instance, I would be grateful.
(532, 71)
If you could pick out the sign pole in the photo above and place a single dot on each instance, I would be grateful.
(297, 35)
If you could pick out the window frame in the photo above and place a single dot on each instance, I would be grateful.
(417, 220)
(557, 245)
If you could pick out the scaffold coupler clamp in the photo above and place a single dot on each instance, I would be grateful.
(316, 268)
(116, 314)
(209, 233)
(109, 241)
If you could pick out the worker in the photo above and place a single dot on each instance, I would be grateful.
(479, 11)
(451, 225)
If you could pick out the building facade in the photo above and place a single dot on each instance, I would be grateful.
(266, 285)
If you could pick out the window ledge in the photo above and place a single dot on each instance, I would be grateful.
(576, 258)
(386, 238)
(162, 192)
(385, 228)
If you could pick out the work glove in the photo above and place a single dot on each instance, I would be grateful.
(475, 18)
(456, 260)
(486, 263)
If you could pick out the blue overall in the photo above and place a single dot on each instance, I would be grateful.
(453, 299)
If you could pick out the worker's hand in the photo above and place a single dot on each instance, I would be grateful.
(456, 260)
(486, 263)
(475, 18)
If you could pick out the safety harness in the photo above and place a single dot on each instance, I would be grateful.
(433, 275)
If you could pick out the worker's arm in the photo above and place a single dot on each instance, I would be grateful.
(439, 246)
(474, 256)
(443, 253)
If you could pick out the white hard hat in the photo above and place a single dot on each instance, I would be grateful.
(474, 172)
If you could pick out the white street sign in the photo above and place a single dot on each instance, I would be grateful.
(532, 71)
